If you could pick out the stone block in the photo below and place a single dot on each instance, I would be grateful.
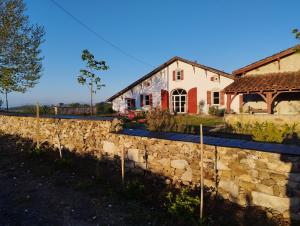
(187, 175)
(110, 148)
(165, 162)
(222, 165)
(265, 189)
(230, 186)
(133, 155)
(179, 164)
(270, 201)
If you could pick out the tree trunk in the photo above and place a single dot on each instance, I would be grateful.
(6, 99)
(91, 99)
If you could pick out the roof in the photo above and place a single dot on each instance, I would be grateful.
(287, 81)
(266, 60)
(172, 60)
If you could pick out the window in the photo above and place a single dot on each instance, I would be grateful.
(216, 98)
(214, 78)
(147, 100)
(179, 100)
(130, 103)
(178, 75)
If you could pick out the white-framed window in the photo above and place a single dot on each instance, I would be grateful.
(216, 98)
(179, 100)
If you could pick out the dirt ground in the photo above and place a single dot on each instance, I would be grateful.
(37, 188)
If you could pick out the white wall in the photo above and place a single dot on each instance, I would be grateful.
(193, 77)
(157, 83)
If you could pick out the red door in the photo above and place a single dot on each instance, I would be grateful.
(164, 99)
(192, 101)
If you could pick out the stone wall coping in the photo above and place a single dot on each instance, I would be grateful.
(217, 141)
(73, 117)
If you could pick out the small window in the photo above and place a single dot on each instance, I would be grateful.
(214, 78)
(178, 75)
(216, 98)
(147, 100)
(130, 103)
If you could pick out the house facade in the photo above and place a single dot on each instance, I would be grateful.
(270, 85)
(178, 85)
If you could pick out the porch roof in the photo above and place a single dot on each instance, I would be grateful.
(288, 81)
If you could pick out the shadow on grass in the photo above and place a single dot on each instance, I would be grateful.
(140, 201)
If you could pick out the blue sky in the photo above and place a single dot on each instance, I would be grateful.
(225, 34)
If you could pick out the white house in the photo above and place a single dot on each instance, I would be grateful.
(179, 85)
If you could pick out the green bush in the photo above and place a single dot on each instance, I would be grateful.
(31, 109)
(215, 110)
(160, 120)
(183, 206)
(266, 131)
(104, 108)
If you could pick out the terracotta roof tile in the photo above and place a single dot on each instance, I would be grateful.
(265, 82)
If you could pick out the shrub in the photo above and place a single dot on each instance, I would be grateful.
(268, 131)
(201, 106)
(214, 110)
(160, 120)
(104, 108)
(183, 206)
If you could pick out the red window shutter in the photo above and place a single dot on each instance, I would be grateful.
(150, 99)
(174, 75)
(222, 94)
(182, 75)
(208, 97)
(142, 100)
(164, 99)
(192, 100)
(212, 79)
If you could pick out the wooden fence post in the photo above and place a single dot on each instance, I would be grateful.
(123, 165)
(37, 125)
(201, 191)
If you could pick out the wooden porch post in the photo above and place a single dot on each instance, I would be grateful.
(228, 103)
(269, 101)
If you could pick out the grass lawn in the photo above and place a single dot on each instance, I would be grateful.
(205, 120)
(186, 123)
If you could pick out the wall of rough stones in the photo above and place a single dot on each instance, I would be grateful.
(246, 177)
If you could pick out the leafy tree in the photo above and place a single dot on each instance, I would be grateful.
(20, 61)
(74, 105)
(296, 32)
(88, 77)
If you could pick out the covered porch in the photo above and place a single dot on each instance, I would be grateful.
(269, 93)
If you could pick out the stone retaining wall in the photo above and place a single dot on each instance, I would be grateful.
(246, 177)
